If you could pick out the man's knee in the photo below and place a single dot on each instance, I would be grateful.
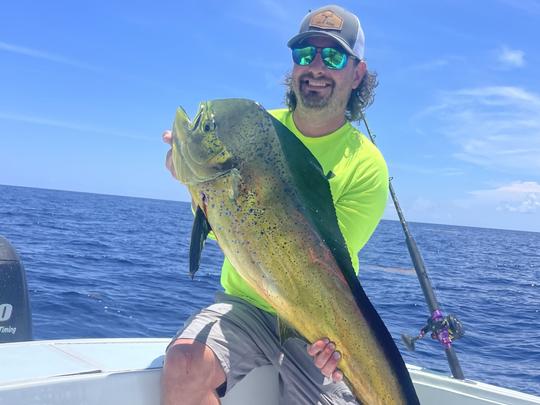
(191, 363)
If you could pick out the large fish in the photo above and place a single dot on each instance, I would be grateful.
(269, 204)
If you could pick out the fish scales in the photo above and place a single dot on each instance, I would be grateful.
(264, 209)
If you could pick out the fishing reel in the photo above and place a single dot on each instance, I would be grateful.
(444, 329)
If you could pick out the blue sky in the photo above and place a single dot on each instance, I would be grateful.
(86, 88)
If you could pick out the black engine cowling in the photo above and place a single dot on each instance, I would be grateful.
(15, 312)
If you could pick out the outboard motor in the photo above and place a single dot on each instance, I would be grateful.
(15, 314)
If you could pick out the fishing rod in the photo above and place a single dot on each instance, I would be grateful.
(445, 329)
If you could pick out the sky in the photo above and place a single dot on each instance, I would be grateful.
(87, 88)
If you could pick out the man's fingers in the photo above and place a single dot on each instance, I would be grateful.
(329, 368)
(168, 160)
(337, 376)
(317, 347)
(169, 164)
(325, 356)
(167, 137)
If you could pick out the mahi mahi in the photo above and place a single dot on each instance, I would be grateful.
(269, 204)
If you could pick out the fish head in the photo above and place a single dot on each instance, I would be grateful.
(198, 151)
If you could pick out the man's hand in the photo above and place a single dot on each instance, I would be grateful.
(167, 138)
(326, 358)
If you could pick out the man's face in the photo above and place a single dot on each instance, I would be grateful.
(317, 87)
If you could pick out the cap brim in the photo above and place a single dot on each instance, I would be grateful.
(313, 33)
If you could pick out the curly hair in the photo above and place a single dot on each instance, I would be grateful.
(360, 98)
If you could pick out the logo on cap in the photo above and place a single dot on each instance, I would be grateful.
(327, 20)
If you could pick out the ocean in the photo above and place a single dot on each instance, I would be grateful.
(111, 266)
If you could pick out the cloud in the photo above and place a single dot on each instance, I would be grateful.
(437, 63)
(432, 171)
(68, 125)
(35, 53)
(511, 57)
(528, 6)
(495, 127)
(422, 204)
(519, 197)
(118, 75)
(421, 209)
(430, 65)
(278, 17)
(276, 9)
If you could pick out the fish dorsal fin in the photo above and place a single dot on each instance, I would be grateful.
(314, 189)
(199, 232)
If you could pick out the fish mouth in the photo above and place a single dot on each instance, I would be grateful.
(198, 153)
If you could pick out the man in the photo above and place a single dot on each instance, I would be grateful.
(329, 87)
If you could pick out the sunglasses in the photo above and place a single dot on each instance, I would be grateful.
(332, 58)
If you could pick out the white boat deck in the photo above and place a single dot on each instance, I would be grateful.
(127, 371)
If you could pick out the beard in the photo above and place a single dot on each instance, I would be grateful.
(309, 98)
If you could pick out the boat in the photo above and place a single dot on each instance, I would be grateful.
(128, 371)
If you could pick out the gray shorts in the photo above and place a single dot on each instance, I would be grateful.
(244, 337)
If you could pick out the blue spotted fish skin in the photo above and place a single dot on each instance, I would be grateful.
(231, 157)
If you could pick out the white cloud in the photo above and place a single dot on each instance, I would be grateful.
(422, 204)
(276, 9)
(431, 64)
(496, 127)
(278, 17)
(528, 6)
(424, 170)
(519, 197)
(68, 125)
(35, 53)
(420, 209)
(511, 57)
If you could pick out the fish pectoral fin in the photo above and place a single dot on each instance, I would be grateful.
(235, 181)
(199, 232)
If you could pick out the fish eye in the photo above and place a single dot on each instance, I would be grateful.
(209, 125)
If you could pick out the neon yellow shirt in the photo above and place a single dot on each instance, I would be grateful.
(359, 190)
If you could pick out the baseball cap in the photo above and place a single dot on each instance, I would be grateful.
(333, 22)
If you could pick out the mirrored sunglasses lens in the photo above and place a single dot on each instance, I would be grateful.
(304, 56)
(334, 58)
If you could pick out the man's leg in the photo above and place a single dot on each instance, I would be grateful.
(191, 374)
(215, 349)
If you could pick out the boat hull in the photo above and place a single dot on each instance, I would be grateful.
(113, 371)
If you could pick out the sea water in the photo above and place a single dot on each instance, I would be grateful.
(110, 266)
